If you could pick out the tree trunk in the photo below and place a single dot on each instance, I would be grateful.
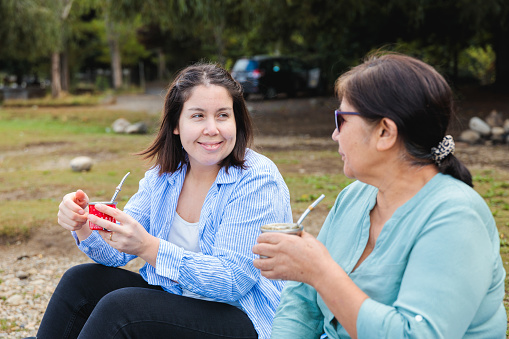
(218, 37)
(56, 88)
(161, 68)
(64, 64)
(116, 65)
(501, 48)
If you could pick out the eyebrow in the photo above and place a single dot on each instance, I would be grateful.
(202, 110)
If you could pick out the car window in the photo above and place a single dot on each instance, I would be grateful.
(297, 65)
(244, 65)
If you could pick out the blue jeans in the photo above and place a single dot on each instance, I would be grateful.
(95, 301)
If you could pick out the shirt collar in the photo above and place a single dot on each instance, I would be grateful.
(222, 176)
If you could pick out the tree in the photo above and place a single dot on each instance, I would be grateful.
(28, 32)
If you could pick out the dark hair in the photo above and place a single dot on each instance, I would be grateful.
(413, 95)
(167, 149)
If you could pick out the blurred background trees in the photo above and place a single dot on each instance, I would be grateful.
(84, 45)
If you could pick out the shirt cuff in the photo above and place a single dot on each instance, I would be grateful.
(371, 318)
(169, 259)
(94, 240)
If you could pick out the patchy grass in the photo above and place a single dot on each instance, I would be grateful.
(37, 145)
(35, 150)
(64, 101)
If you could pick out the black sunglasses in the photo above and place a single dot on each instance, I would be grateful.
(339, 117)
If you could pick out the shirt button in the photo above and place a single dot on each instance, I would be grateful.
(418, 318)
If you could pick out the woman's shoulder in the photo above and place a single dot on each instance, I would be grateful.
(154, 177)
(255, 161)
(451, 191)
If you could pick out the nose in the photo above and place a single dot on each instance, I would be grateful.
(210, 127)
(335, 134)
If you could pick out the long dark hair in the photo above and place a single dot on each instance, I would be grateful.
(413, 95)
(166, 149)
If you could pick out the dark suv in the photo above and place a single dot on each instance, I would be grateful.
(269, 76)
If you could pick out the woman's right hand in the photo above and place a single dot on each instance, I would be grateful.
(71, 212)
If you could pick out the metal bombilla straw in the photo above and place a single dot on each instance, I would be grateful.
(118, 189)
(309, 209)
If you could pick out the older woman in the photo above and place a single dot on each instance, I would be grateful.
(409, 250)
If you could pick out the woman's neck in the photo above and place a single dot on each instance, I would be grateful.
(205, 174)
(401, 184)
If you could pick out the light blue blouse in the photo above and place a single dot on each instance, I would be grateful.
(435, 271)
(237, 204)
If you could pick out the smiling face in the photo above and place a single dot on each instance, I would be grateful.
(355, 143)
(207, 127)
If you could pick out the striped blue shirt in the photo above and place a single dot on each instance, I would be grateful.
(237, 204)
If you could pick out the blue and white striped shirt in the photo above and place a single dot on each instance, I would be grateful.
(237, 204)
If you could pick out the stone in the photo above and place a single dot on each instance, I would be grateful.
(497, 134)
(22, 275)
(479, 125)
(120, 125)
(495, 119)
(470, 136)
(15, 300)
(137, 128)
(80, 164)
(38, 282)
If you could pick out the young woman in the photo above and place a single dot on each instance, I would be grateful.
(409, 250)
(194, 220)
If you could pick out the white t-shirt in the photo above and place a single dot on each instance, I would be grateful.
(186, 235)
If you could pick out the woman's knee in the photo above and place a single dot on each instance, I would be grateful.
(77, 274)
(122, 301)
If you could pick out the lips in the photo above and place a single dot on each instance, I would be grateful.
(210, 146)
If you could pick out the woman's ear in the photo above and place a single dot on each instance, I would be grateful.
(176, 131)
(387, 134)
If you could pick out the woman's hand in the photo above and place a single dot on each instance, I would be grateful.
(299, 258)
(71, 211)
(129, 236)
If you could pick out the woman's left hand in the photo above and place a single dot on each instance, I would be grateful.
(290, 257)
(129, 236)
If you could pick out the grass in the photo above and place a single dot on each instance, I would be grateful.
(64, 101)
(37, 145)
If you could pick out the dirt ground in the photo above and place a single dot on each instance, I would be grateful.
(302, 123)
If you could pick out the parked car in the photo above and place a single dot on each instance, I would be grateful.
(269, 76)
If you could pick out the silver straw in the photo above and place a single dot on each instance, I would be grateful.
(306, 212)
(118, 189)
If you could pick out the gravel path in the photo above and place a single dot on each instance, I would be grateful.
(27, 281)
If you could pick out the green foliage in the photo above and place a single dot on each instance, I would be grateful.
(29, 29)
(327, 33)
(480, 62)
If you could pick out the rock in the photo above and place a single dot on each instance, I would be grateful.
(80, 164)
(470, 136)
(15, 300)
(22, 275)
(497, 134)
(506, 125)
(38, 282)
(137, 128)
(479, 125)
(120, 125)
(495, 119)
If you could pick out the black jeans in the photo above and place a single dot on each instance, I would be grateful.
(95, 301)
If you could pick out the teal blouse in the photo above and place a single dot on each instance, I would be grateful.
(435, 271)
